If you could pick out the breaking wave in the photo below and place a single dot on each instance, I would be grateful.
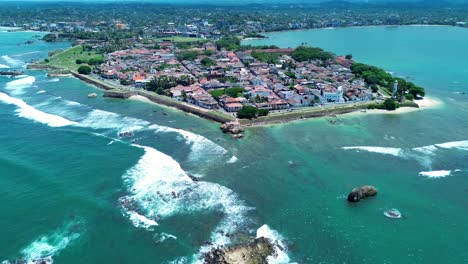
(12, 62)
(437, 174)
(199, 144)
(29, 112)
(463, 145)
(44, 248)
(233, 159)
(99, 119)
(17, 87)
(381, 150)
(3, 66)
(280, 256)
(160, 188)
(423, 154)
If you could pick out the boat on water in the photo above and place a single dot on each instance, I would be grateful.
(392, 213)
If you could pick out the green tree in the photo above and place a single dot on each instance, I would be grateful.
(417, 91)
(208, 52)
(207, 62)
(229, 43)
(303, 53)
(84, 69)
(247, 112)
(390, 104)
(188, 55)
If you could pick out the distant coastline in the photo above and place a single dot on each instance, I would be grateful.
(344, 27)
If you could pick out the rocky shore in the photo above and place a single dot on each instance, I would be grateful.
(11, 73)
(255, 251)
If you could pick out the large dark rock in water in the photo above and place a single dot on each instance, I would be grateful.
(233, 127)
(361, 192)
(11, 73)
(256, 251)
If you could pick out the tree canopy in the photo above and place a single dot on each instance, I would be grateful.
(229, 42)
(249, 112)
(84, 69)
(188, 55)
(271, 58)
(304, 53)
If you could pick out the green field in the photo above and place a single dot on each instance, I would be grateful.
(67, 59)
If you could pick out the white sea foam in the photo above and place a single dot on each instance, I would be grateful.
(54, 80)
(233, 159)
(463, 145)
(41, 91)
(201, 146)
(436, 174)
(381, 150)
(3, 66)
(12, 62)
(16, 87)
(426, 150)
(160, 238)
(44, 248)
(29, 112)
(139, 220)
(280, 256)
(99, 119)
(71, 103)
(160, 188)
(24, 54)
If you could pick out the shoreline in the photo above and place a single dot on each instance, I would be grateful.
(300, 114)
(333, 28)
(423, 104)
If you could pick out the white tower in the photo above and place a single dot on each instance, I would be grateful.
(395, 88)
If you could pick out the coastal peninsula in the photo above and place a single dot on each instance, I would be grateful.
(225, 81)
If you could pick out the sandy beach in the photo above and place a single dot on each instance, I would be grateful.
(425, 103)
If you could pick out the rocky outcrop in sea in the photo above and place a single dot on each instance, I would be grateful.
(255, 251)
(361, 193)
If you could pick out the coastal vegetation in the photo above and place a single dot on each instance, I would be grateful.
(303, 53)
(379, 78)
(232, 43)
(74, 57)
(271, 58)
(250, 112)
(84, 69)
(231, 92)
(163, 83)
(389, 104)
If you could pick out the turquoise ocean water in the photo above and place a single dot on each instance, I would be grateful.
(74, 191)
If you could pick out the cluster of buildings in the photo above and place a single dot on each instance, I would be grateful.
(214, 75)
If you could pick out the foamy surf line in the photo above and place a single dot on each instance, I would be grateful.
(3, 66)
(199, 144)
(381, 150)
(437, 174)
(26, 111)
(12, 62)
(17, 87)
(160, 188)
(44, 248)
(280, 256)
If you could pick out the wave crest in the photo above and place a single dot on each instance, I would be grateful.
(29, 112)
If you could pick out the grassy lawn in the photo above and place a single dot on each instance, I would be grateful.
(180, 39)
(67, 59)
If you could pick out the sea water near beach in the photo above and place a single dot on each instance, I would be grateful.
(74, 191)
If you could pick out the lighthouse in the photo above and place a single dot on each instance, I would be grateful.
(395, 88)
